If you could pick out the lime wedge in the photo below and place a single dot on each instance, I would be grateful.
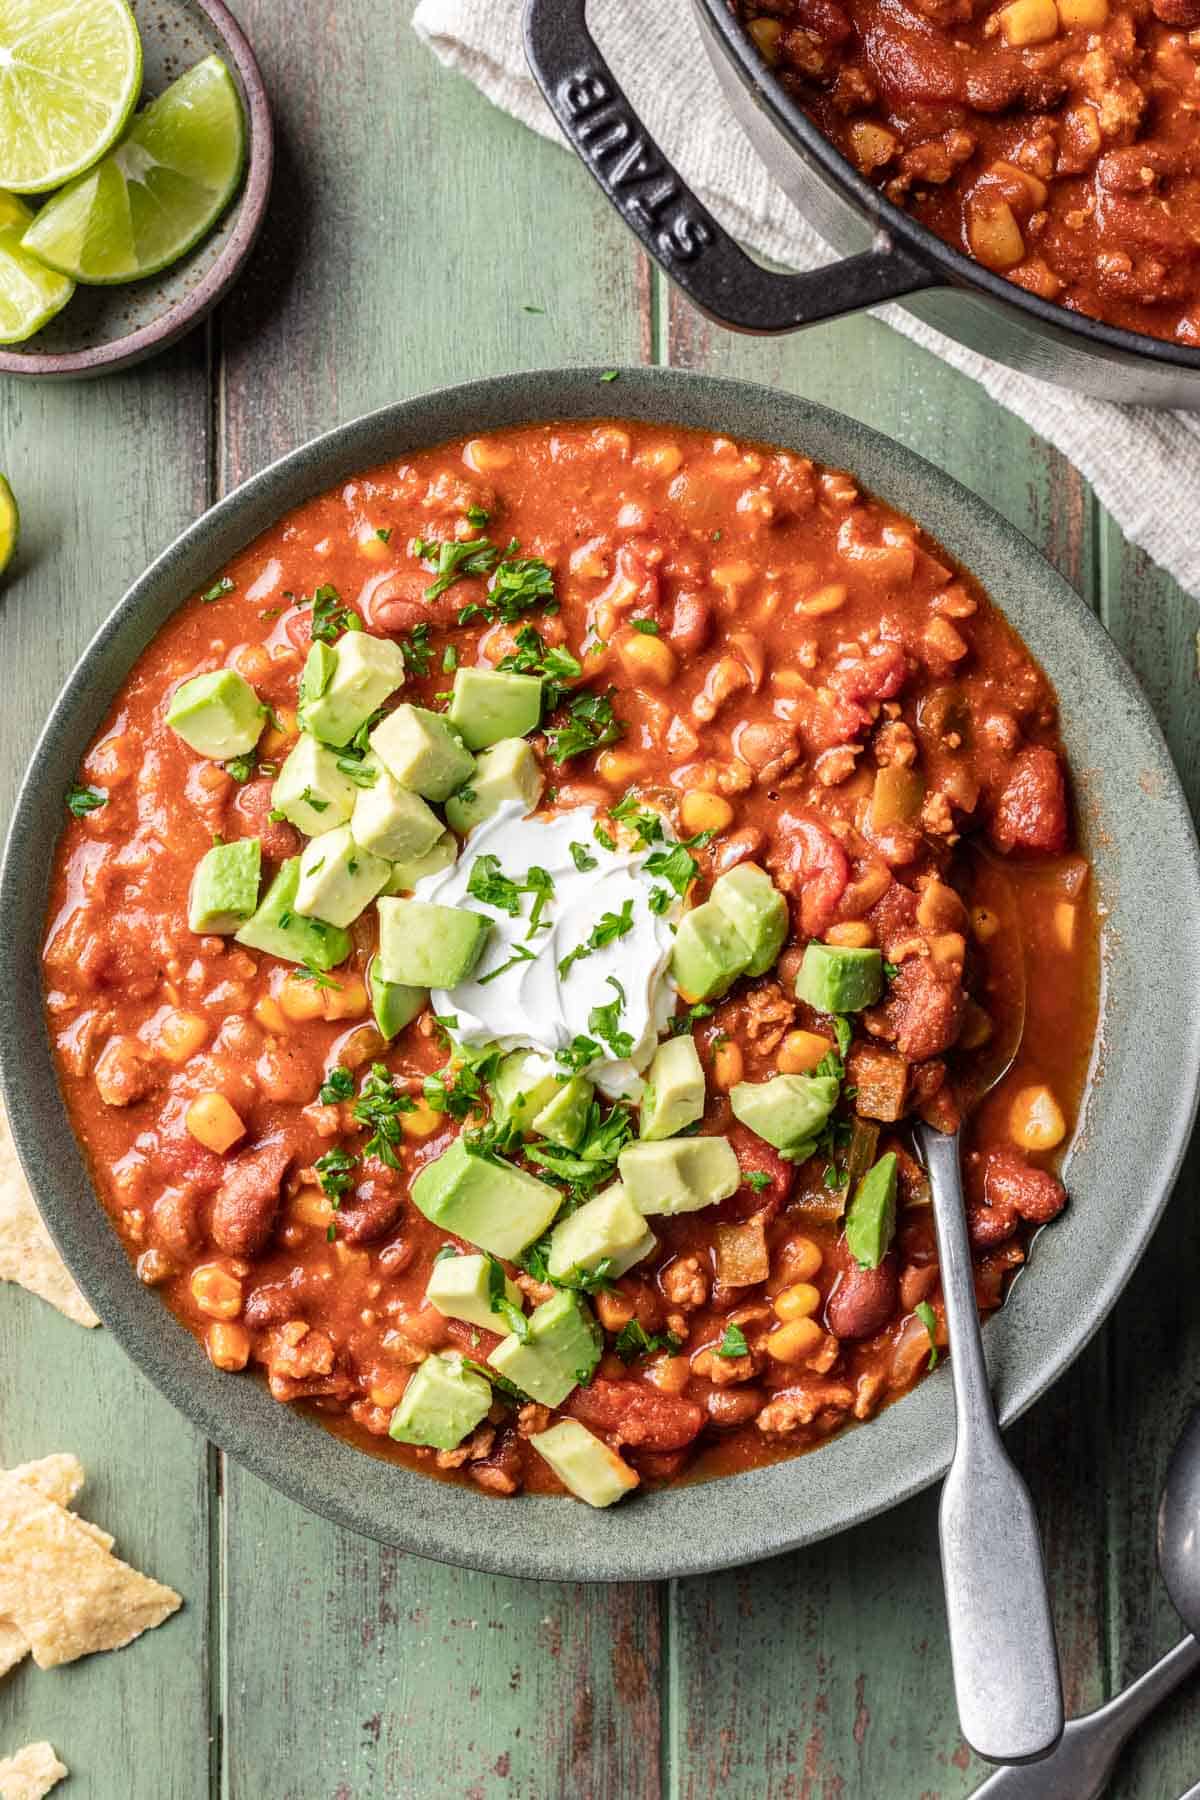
(10, 523)
(70, 75)
(157, 193)
(30, 293)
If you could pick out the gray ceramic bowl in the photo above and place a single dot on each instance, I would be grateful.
(107, 328)
(1139, 1112)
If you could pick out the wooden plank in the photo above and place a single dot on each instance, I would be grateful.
(828, 1673)
(106, 473)
(408, 236)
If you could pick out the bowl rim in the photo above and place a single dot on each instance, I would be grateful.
(197, 302)
(958, 270)
(676, 1531)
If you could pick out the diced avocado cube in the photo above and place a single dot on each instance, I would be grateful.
(561, 1349)
(674, 1095)
(405, 875)
(389, 820)
(422, 944)
(756, 910)
(311, 791)
(564, 1117)
(871, 1215)
(584, 1463)
(393, 1004)
(836, 980)
(460, 1288)
(491, 1204)
(680, 1174)
(788, 1111)
(490, 704)
(508, 771)
(281, 931)
(217, 715)
(442, 1404)
(338, 878)
(421, 753)
(606, 1228)
(224, 889)
(709, 953)
(337, 702)
(525, 1083)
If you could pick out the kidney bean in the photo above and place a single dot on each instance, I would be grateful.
(253, 805)
(246, 1203)
(691, 623)
(862, 1301)
(174, 1220)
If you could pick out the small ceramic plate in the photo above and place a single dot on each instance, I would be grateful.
(106, 328)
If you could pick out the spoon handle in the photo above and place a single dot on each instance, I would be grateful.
(1002, 1644)
(1080, 1768)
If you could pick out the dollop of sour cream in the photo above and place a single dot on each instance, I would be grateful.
(529, 1005)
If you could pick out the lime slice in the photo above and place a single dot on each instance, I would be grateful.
(158, 192)
(70, 75)
(30, 293)
(10, 523)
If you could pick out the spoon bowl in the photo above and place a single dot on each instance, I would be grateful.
(1179, 1526)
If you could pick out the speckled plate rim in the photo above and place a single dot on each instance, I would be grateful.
(198, 302)
(1138, 1118)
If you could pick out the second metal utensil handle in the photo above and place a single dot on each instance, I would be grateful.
(1002, 1643)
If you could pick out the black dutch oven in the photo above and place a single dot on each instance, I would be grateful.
(886, 254)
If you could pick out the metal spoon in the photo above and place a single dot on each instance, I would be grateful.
(1081, 1766)
(1002, 1644)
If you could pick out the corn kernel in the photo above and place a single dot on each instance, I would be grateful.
(801, 1258)
(347, 999)
(388, 1389)
(733, 574)
(311, 1207)
(1088, 15)
(180, 1035)
(671, 1374)
(228, 1346)
(800, 1301)
(213, 1122)
(1028, 22)
(727, 1066)
(216, 1292)
(992, 230)
(619, 767)
(766, 34)
(828, 599)
(1064, 923)
(422, 1121)
(1036, 1121)
(648, 658)
(661, 459)
(793, 1342)
(278, 737)
(483, 456)
(301, 1000)
(703, 811)
(372, 546)
(851, 934)
(984, 923)
(801, 1051)
(269, 1015)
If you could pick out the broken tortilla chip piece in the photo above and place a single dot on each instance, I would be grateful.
(63, 1590)
(12, 1646)
(27, 1253)
(31, 1773)
(59, 1478)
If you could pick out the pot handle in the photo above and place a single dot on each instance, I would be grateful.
(674, 227)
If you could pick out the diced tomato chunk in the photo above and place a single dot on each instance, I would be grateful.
(755, 1157)
(877, 673)
(811, 865)
(1031, 813)
(629, 1412)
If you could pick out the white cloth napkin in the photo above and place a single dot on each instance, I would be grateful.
(1143, 465)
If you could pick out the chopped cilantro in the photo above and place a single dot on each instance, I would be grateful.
(605, 839)
(452, 561)
(633, 1340)
(512, 1314)
(337, 1085)
(582, 857)
(83, 800)
(758, 1179)
(520, 582)
(594, 1159)
(314, 800)
(607, 930)
(591, 724)
(674, 864)
(446, 1251)
(219, 589)
(384, 534)
(684, 1021)
(478, 516)
(329, 617)
(734, 1342)
(449, 660)
(318, 977)
(335, 1172)
(644, 821)
(378, 1109)
(890, 971)
(240, 767)
(579, 1053)
(660, 900)
(459, 1087)
(493, 888)
(610, 374)
(539, 883)
(521, 954)
(603, 1021)
(647, 627)
(533, 656)
(928, 1319)
(417, 649)
(359, 772)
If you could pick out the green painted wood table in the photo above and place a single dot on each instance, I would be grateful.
(418, 237)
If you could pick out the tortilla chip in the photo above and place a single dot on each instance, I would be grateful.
(27, 1253)
(12, 1646)
(59, 1478)
(65, 1592)
(31, 1773)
